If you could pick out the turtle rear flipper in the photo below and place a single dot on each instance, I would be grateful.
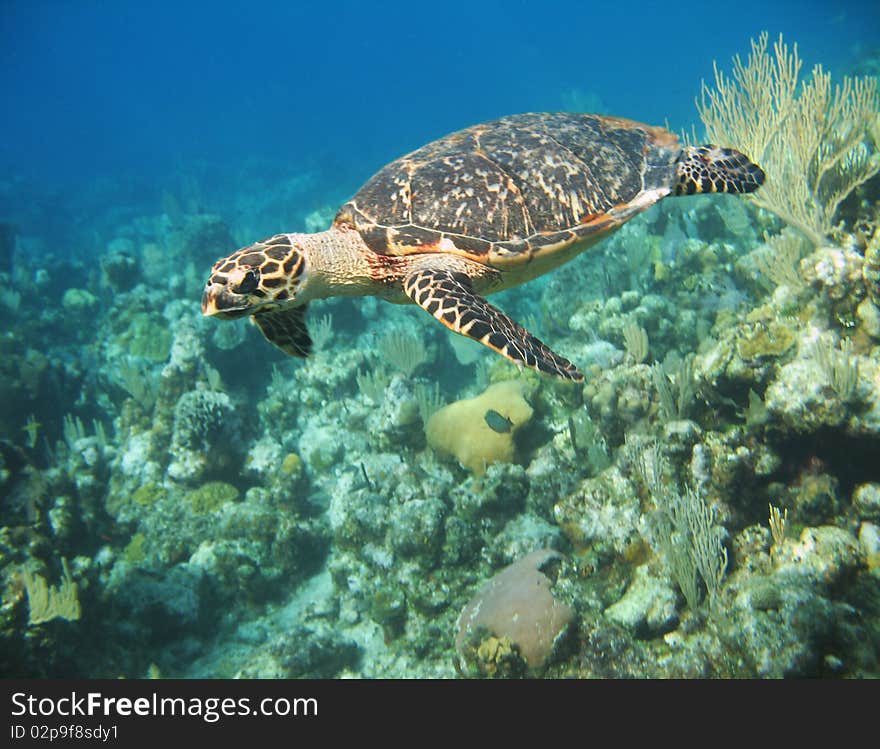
(713, 169)
(286, 329)
(449, 297)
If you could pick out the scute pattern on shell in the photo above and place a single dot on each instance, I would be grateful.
(511, 182)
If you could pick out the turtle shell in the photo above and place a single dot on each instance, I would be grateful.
(511, 189)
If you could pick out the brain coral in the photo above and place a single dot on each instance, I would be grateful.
(201, 418)
(206, 434)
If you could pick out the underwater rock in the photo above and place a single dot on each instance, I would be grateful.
(680, 436)
(604, 510)
(120, 268)
(264, 458)
(827, 554)
(800, 397)
(834, 270)
(416, 528)
(519, 536)
(167, 605)
(494, 497)
(749, 350)
(321, 447)
(317, 654)
(871, 270)
(292, 465)
(355, 518)
(513, 615)
(869, 540)
(147, 336)
(301, 652)
(751, 547)
(866, 501)
(556, 469)
(460, 429)
(777, 622)
(814, 499)
(648, 608)
(252, 550)
(395, 420)
(619, 399)
(657, 314)
(736, 464)
(365, 500)
(868, 315)
(186, 359)
(133, 466)
(62, 518)
(715, 362)
(633, 399)
(79, 302)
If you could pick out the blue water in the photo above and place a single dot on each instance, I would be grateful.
(141, 89)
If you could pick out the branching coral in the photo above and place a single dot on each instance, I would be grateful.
(674, 380)
(816, 145)
(777, 259)
(687, 533)
(47, 602)
(403, 350)
(839, 366)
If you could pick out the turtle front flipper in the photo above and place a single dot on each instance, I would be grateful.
(449, 297)
(286, 329)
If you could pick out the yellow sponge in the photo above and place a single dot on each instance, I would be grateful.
(479, 431)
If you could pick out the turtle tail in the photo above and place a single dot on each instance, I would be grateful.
(714, 169)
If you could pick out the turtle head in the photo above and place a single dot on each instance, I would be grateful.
(256, 278)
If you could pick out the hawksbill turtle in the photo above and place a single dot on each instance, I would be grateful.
(481, 210)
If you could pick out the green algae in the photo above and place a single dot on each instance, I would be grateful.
(135, 551)
(766, 341)
(210, 496)
(147, 337)
(149, 494)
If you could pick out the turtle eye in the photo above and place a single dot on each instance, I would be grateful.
(249, 283)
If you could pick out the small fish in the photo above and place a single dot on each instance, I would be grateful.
(497, 422)
(32, 427)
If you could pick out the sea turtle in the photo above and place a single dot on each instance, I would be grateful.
(484, 209)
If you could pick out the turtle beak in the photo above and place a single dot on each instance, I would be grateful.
(209, 299)
(218, 301)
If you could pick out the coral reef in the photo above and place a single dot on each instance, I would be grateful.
(178, 497)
